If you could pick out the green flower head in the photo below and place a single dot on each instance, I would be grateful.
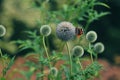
(2, 30)
(91, 36)
(45, 30)
(53, 71)
(77, 51)
(99, 47)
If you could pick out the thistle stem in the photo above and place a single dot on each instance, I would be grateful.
(1, 52)
(96, 57)
(87, 25)
(90, 51)
(70, 59)
(91, 57)
(79, 63)
(42, 69)
(46, 52)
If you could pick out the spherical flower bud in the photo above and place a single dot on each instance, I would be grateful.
(77, 51)
(99, 47)
(2, 30)
(53, 71)
(91, 36)
(65, 31)
(45, 30)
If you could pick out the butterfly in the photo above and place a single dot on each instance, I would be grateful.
(79, 31)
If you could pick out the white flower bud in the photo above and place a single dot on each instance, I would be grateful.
(91, 36)
(2, 30)
(53, 71)
(45, 30)
(77, 51)
(99, 47)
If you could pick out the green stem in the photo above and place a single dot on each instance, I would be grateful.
(46, 52)
(88, 22)
(91, 57)
(90, 51)
(87, 25)
(42, 69)
(1, 52)
(79, 63)
(70, 59)
(96, 57)
(2, 60)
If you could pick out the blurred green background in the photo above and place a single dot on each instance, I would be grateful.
(18, 16)
(108, 29)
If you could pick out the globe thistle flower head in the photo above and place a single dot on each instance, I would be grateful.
(53, 71)
(65, 31)
(45, 30)
(91, 36)
(99, 47)
(2, 30)
(77, 51)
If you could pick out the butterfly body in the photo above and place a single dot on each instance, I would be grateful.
(78, 31)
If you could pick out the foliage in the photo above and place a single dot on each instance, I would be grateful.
(6, 63)
(74, 11)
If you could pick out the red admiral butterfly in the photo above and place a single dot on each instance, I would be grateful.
(79, 31)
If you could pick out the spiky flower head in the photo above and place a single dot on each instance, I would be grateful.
(91, 36)
(65, 31)
(99, 47)
(45, 30)
(77, 51)
(2, 30)
(53, 71)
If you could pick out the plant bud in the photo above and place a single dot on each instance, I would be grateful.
(91, 36)
(99, 47)
(2, 30)
(65, 31)
(45, 30)
(77, 51)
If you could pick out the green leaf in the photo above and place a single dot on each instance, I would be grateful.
(8, 66)
(2, 78)
(102, 4)
(91, 70)
(94, 15)
(65, 7)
